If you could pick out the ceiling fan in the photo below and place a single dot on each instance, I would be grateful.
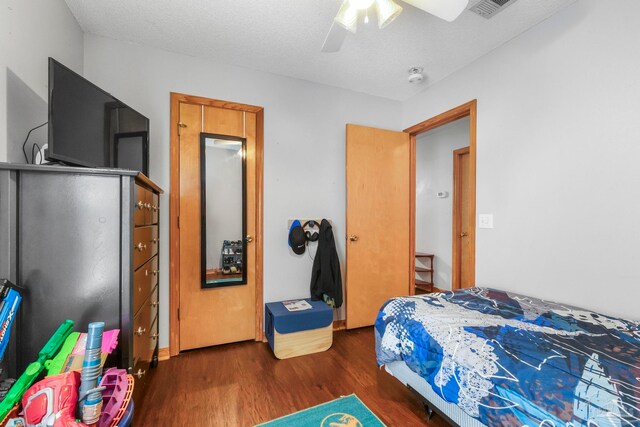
(387, 10)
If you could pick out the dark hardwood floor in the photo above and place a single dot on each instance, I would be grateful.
(244, 384)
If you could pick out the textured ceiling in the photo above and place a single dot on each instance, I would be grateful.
(285, 37)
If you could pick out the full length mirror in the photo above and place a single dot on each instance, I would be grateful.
(222, 162)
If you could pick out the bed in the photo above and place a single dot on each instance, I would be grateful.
(488, 357)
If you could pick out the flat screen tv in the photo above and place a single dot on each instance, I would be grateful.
(89, 127)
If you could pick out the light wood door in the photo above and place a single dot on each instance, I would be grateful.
(378, 189)
(462, 220)
(215, 315)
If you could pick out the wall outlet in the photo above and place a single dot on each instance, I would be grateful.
(485, 221)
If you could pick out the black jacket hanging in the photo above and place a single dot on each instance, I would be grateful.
(326, 279)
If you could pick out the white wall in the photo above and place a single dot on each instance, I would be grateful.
(304, 158)
(558, 149)
(434, 216)
(30, 32)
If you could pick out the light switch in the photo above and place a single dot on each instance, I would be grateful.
(485, 221)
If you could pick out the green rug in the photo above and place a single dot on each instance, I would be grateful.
(348, 411)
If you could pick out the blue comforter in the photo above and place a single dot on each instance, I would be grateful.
(510, 360)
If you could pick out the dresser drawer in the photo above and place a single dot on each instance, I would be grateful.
(144, 279)
(145, 334)
(145, 244)
(155, 207)
(142, 206)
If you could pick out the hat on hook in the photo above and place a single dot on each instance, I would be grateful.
(297, 238)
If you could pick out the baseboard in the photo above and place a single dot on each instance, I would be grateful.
(338, 325)
(163, 353)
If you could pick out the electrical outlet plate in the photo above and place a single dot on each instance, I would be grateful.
(485, 221)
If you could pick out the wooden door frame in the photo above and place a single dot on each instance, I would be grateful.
(174, 211)
(469, 109)
(457, 217)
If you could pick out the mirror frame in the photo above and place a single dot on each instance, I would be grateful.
(203, 209)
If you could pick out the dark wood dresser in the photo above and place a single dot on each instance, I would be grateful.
(84, 243)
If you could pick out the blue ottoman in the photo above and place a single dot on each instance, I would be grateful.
(296, 333)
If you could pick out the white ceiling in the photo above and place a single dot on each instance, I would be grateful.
(285, 37)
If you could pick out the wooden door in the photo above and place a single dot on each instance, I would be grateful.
(222, 315)
(378, 190)
(462, 221)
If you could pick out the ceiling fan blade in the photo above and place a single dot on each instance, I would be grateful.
(448, 10)
(334, 39)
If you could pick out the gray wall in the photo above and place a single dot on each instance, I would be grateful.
(30, 32)
(304, 157)
(434, 173)
(558, 150)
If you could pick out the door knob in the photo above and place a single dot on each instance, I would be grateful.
(464, 234)
(353, 238)
(249, 239)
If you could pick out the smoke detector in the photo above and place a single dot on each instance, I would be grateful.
(415, 74)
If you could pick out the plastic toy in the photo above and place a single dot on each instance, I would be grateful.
(116, 396)
(54, 366)
(52, 402)
(90, 398)
(35, 368)
(10, 295)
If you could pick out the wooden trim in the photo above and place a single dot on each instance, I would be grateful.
(198, 100)
(259, 203)
(452, 115)
(473, 126)
(174, 211)
(469, 109)
(457, 218)
(163, 354)
(339, 325)
(412, 215)
(174, 232)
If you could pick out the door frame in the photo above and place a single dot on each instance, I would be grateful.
(456, 267)
(174, 211)
(469, 109)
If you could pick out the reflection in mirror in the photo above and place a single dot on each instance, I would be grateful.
(223, 210)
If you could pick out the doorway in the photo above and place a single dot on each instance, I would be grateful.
(215, 223)
(442, 223)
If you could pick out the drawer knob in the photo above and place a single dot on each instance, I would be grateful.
(140, 204)
(155, 304)
(140, 373)
(140, 330)
(153, 337)
(155, 208)
(156, 240)
(154, 272)
(148, 206)
(141, 247)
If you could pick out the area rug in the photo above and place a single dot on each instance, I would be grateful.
(348, 411)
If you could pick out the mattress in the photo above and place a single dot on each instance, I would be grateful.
(508, 359)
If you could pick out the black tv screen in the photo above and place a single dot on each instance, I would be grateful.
(89, 127)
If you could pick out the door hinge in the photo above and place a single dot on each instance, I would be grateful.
(178, 221)
(178, 313)
(180, 126)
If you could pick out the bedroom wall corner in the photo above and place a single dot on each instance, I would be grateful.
(557, 156)
(31, 31)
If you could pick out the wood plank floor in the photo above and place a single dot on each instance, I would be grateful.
(244, 384)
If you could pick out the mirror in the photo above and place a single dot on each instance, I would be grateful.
(222, 164)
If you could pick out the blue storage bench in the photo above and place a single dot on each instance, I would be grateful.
(296, 333)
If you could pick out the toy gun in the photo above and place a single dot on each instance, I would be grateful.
(35, 368)
(10, 295)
